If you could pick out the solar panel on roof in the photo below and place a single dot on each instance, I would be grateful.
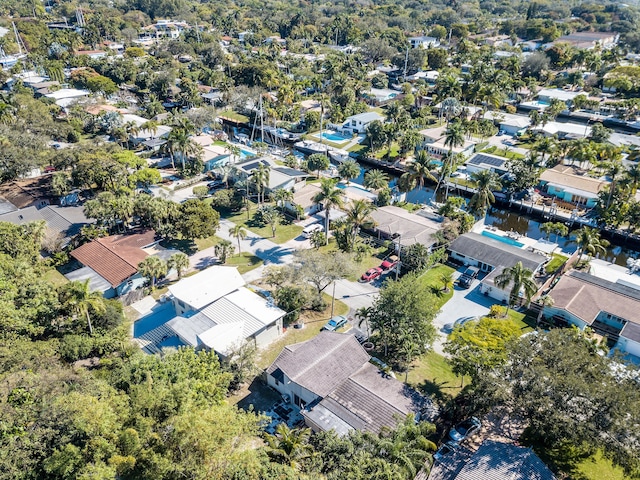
(479, 159)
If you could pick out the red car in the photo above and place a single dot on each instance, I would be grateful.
(389, 263)
(371, 274)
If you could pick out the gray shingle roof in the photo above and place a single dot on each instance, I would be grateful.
(493, 252)
(504, 461)
(322, 363)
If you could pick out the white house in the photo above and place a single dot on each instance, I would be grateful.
(67, 96)
(359, 123)
(331, 380)
(423, 42)
(509, 123)
(434, 143)
(485, 161)
(216, 311)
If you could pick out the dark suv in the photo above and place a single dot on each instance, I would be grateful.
(466, 279)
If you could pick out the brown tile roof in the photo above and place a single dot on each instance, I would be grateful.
(31, 191)
(566, 175)
(585, 296)
(116, 257)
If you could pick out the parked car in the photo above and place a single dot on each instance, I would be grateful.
(389, 263)
(215, 184)
(371, 274)
(465, 429)
(335, 323)
(467, 277)
(309, 229)
(49, 169)
(444, 450)
(449, 327)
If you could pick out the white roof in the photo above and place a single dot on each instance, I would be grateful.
(222, 338)
(559, 94)
(67, 93)
(206, 287)
(566, 128)
(365, 117)
(137, 119)
(520, 121)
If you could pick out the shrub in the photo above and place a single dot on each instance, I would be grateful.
(497, 311)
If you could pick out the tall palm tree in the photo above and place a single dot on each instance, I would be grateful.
(80, 299)
(588, 240)
(239, 233)
(420, 168)
(632, 176)
(521, 280)
(454, 137)
(261, 180)
(358, 216)
(376, 179)
(486, 182)
(152, 268)
(348, 170)
(330, 197)
(180, 262)
(290, 446)
(281, 196)
(543, 301)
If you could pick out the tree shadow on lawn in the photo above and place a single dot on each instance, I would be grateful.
(438, 390)
(563, 458)
(256, 396)
(186, 246)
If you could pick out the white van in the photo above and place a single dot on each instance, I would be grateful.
(309, 229)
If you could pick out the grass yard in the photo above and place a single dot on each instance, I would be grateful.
(369, 261)
(596, 467)
(503, 152)
(359, 148)
(55, 277)
(382, 153)
(245, 262)
(284, 232)
(525, 320)
(313, 322)
(432, 375)
(230, 114)
(431, 278)
(556, 262)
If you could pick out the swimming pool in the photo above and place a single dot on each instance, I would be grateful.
(246, 154)
(333, 136)
(159, 315)
(502, 239)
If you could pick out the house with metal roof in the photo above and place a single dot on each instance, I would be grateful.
(491, 254)
(330, 378)
(407, 228)
(609, 308)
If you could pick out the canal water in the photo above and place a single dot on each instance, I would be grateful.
(516, 221)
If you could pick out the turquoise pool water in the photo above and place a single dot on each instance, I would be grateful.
(246, 154)
(333, 136)
(160, 315)
(502, 239)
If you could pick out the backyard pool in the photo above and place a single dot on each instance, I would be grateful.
(159, 315)
(502, 239)
(333, 136)
(246, 154)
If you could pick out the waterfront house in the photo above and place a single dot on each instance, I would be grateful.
(566, 183)
(395, 223)
(423, 42)
(330, 378)
(434, 143)
(359, 123)
(486, 161)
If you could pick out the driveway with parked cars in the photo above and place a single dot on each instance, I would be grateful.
(464, 303)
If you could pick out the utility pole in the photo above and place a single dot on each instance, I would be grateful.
(333, 298)
(406, 61)
(399, 253)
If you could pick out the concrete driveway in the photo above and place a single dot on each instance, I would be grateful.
(464, 303)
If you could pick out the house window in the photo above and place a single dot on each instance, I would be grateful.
(353, 123)
(276, 380)
(296, 399)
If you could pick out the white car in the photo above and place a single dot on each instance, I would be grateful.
(309, 229)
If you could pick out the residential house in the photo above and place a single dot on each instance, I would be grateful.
(330, 378)
(486, 161)
(509, 123)
(114, 261)
(434, 143)
(589, 40)
(431, 76)
(63, 223)
(423, 42)
(214, 156)
(566, 183)
(215, 311)
(145, 135)
(28, 192)
(493, 460)
(304, 198)
(359, 123)
(66, 97)
(563, 130)
(609, 308)
(492, 253)
(279, 177)
(92, 54)
(380, 95)
(546, 95)
(167, 28)
(406, 228)
(117, 47)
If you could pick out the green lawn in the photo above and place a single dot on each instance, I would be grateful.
(596, 467)
(313, 322)
(359, 148)
(524, 320)
(369, 261)
(382, 153)
(284, 232)
(408, 206)
(234, 116)
(432, 374)
(55, 277)
(245, 262)
(503, 152)
(431, 278)
(555, 262)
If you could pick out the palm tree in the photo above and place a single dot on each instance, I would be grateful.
(348, 170)
(180, 262)
(521, 280)
(152, 268)
(447, 282)
(376, 179)
(290, 446)
(632, 176)
(543, 301)
(406, 182)
(80, 299)
(329, 196)
(454, 137)
(272, 217)
(222, 249)
(588, 240)
(420, 168)
(486, 182)
(547, 228)
(261, 180)
(280, 196)
(359, 215)
(239, 233)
